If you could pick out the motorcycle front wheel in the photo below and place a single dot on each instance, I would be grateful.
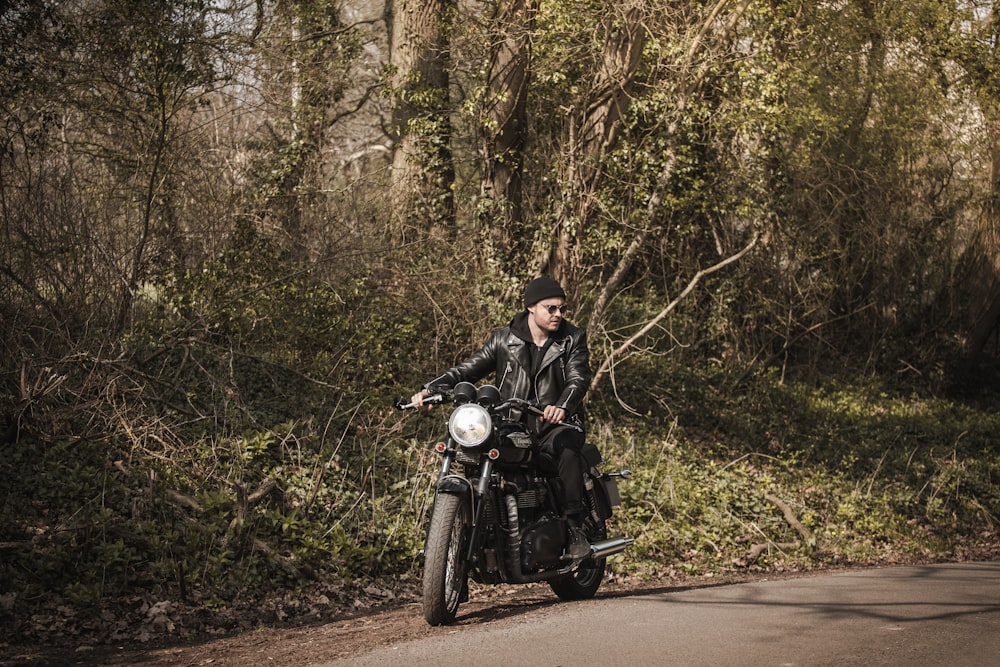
(444, 565)
(584, 582)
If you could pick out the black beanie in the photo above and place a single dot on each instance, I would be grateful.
(542, 288)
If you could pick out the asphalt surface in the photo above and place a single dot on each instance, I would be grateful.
(945, 614)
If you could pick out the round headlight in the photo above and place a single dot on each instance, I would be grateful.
(470, 425)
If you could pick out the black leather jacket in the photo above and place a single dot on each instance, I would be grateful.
(562, 379)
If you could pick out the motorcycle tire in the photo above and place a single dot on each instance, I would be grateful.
(445, 570)
(584, 582)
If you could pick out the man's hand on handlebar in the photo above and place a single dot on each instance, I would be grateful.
(553, 414)
(418, 400)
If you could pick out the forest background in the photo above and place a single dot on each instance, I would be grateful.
(234, 231)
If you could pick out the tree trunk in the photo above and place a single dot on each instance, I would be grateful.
(504, 129)
(422, 169)
(591, 133)
(689, 80)
(985, 305)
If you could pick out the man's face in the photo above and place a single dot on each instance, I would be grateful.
(545, 320)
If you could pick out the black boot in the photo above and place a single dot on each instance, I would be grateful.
(577, 546)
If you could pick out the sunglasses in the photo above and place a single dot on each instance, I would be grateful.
(552, 309)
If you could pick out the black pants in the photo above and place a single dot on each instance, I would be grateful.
(564, 444)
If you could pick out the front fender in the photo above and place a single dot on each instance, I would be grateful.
(455, 485)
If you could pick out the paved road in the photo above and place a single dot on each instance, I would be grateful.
(914, 616)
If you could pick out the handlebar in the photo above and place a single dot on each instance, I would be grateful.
(440, 397)
(535, 410)
(401, 404)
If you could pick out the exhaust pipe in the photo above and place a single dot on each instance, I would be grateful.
(610, 547)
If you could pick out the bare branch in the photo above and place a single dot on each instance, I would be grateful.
(789, 514)
(786, 511)
(609, 361)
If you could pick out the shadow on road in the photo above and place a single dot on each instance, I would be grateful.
(892, 595)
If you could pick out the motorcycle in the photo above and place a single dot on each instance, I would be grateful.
(497, 515)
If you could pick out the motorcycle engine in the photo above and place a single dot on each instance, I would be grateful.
(542, 543)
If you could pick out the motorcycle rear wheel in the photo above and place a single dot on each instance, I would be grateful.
(445, 570)
(584, 582)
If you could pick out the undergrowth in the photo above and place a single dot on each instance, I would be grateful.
(797, 476)
(238, 446)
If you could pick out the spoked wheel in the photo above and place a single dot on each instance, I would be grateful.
(583, 583)
(444, 565)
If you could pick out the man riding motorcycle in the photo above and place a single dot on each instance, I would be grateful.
(541, 358)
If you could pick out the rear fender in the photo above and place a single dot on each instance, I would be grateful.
(605, 496)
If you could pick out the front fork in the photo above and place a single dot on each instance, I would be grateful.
(478, 506)
(476, 495)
